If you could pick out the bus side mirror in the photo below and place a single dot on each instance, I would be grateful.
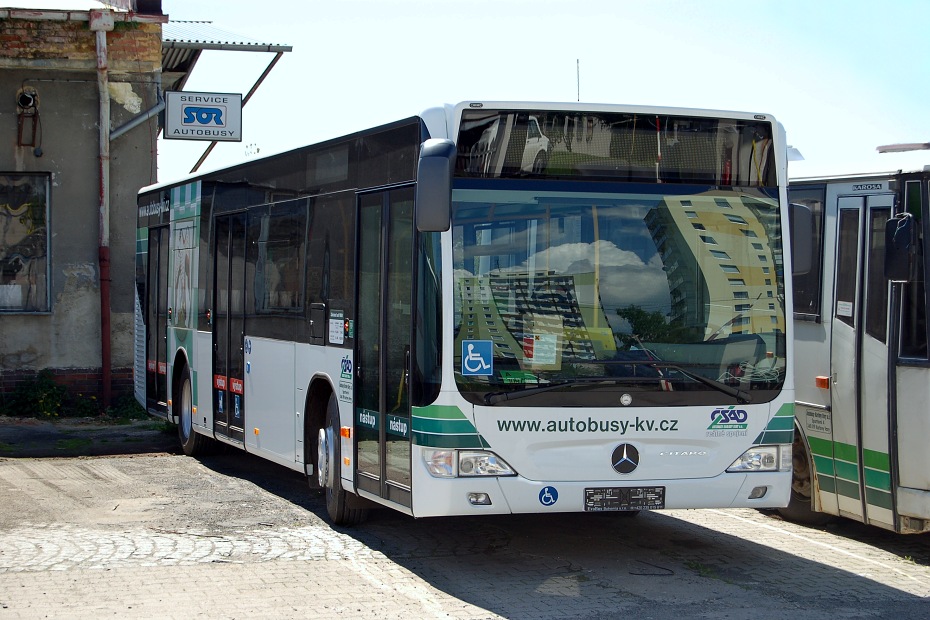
(801, 227)
(900, 248)
(434, 185)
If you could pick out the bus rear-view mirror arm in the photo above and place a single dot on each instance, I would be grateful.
(434, 185)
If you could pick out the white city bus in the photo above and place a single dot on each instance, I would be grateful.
(863, 371)
(487, 308)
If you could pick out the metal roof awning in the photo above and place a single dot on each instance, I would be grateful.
(182, 42)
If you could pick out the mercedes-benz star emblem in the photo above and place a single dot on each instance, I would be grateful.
(625, 458)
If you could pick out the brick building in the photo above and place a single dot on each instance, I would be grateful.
(79, 96)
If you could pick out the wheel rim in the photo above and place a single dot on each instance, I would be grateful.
(187, 410)
(325, 456)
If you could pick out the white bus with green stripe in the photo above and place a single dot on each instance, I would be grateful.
(487, 308)
(863, 371)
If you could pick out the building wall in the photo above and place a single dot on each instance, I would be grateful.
(55, 56)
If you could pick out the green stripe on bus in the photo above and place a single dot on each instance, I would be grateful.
(847, 471)
(822, 447)
(877, 479)
(448, 441)
(780, 429)
(827, 483)
(439, 412)
(876, 460)
(845, 452)
(444, 426)
(882, 499)
(780, 424)
(439, 427)
(770, 437)
(847, 489)
(441, 419)
(824, 465)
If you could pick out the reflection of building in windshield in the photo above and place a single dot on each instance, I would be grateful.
(720, 266)
(516, 310)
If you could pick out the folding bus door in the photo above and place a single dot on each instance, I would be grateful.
(229, 327)
(383, 325)
(859, 356)
(911, 409)
(156, 321)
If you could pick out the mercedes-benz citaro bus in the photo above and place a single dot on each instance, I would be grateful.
(486, 308)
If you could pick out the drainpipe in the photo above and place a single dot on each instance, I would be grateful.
(148, 114)
(101, 22)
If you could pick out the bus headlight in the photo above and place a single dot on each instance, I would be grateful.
(481, 463)
(763, 458)
(465, 464)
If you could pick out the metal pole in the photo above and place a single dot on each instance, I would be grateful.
(100, 23)
(261, 79)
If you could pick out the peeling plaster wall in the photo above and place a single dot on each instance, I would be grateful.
(62, 72)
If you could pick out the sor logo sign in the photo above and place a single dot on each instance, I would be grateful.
(195, 115)
(203, 116)
(730, 418)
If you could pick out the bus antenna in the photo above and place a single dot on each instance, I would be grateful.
(578, 76)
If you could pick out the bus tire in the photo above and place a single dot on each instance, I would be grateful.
(800, 505)
(192, 442)
(329, 458)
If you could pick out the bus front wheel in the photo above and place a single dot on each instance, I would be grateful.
(329, 457)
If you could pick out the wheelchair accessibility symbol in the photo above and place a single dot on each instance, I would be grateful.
(477, 358)
(548, 496)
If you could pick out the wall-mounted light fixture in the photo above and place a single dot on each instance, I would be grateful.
(27, 111)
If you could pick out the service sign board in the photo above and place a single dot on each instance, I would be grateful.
(216, 117)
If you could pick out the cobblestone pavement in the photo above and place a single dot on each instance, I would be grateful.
(229, 536)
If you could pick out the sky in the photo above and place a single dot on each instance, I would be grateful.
(842, 76)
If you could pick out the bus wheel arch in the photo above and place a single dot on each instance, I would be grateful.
(800, 508)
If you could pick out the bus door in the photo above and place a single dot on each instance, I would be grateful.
(156, 321)
(911, 412)
(859, 358)
(229, 327)
(383, 334)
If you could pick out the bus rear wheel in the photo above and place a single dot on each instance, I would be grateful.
(192, 442)
(799, 508)
(329, 458)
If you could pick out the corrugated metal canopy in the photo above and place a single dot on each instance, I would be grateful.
(183, 41)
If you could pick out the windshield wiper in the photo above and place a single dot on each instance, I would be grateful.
(496, 397)
(741, 396)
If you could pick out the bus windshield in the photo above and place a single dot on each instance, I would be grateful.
(594, 294)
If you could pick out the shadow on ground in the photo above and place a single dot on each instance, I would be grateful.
(32, 438)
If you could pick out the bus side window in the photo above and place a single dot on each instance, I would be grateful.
(913, 300)
(808, 287)
(278, 240)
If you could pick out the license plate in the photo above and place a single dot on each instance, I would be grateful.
(624, 498)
